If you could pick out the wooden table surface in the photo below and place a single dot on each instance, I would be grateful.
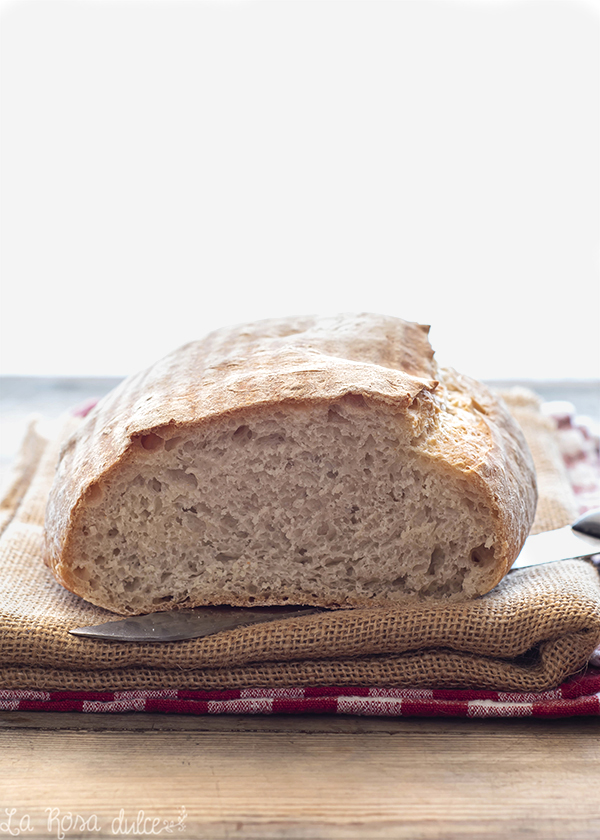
(140, 775)
(303, 776)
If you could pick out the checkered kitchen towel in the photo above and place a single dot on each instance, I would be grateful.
(577, 696)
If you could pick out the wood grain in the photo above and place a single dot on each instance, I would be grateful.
(413, 778)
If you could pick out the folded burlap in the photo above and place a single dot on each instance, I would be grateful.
(535, 629)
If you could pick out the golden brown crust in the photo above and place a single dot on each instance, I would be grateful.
(480, 437)
(303, 361)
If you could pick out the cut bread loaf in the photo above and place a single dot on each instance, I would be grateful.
(321, 461)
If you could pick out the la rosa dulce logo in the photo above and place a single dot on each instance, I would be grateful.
(61, 824)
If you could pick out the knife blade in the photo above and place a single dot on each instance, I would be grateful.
(178, 625)
(582, 539)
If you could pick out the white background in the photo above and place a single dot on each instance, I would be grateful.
(170, 167)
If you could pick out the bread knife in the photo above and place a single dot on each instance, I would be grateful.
(178, 625)
(582, 539)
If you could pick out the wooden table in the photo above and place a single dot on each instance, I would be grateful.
(305, 776)
(73, 775)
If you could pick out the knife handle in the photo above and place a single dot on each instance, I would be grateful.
(588, 524)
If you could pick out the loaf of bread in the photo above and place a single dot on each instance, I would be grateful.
(318, 461)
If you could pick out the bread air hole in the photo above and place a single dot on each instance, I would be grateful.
(165, 599)
(151, 441)
(436, 562)
(131, 585)
(482, 556)
(354, 400)
(94, 494)
(242, 434)
(334, 416)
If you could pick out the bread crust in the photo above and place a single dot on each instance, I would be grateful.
(302, 361)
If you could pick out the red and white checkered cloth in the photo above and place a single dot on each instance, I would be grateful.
(579, 695)
(579, 443)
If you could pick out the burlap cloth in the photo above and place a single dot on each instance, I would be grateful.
(535, 629)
